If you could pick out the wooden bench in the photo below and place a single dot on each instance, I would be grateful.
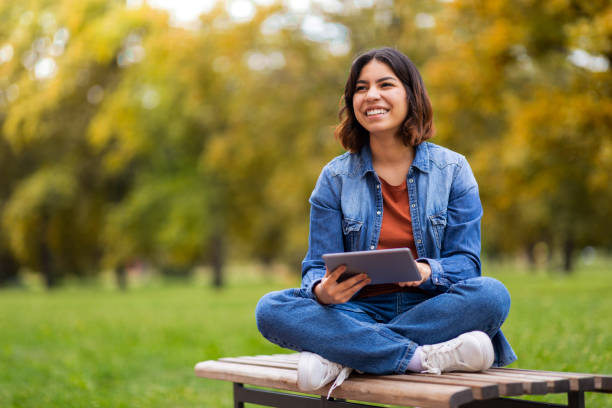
(469, 390)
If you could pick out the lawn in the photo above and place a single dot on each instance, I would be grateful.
(94, 346)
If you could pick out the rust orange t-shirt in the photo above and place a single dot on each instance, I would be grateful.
(396, 229)
(395, 232)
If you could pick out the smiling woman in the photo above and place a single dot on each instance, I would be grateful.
(392, 189)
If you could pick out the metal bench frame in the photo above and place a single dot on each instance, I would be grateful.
(242, 395)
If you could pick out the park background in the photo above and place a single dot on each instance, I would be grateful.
(156, 160)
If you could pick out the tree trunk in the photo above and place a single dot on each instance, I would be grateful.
(121, 277)
(46, 266)
(9, 270)
(217, 259)
(530, 254)
(45, 255)
(568, 255)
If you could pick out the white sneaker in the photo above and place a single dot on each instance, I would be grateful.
(315, 372)
(471, 351)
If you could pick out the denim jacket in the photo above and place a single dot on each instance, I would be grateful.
(347, 209)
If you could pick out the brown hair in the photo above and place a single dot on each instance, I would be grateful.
(418, 125)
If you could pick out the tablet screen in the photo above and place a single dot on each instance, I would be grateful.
(382, 265)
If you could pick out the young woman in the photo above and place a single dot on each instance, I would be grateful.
(391, 189)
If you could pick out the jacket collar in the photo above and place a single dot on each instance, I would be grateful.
(421, 159)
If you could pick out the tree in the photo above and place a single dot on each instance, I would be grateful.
(510, 94)
(125, 138)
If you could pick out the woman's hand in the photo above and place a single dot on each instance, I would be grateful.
(424, 270)
(329, 291)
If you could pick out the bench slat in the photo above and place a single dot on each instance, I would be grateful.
(603, 383)
(553, 383)
(507, 387)
(257, 362)
(577, 381)
(527, 386)
(480, 389)
(402, 393)
(370, 390)
(248, 374)
(556, 383)
(288, 357)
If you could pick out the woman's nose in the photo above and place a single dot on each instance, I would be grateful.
(373, 93)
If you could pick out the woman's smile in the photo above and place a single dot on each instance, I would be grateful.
(373, 113)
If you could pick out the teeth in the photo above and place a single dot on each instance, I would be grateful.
(375, 112)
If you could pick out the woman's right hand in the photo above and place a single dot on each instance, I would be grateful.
(329, 291)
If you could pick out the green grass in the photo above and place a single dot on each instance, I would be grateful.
(97, 347)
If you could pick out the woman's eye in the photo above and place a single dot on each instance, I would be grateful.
(360, 88)
(386, 84)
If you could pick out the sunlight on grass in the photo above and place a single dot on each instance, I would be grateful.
(92, 346)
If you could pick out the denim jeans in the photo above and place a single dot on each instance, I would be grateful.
(379, 335)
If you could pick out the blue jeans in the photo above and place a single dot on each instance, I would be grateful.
(379, 334)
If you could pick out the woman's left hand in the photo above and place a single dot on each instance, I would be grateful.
(424, 270)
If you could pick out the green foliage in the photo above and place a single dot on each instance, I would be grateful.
(163, 219)
(44, 210)
(46, 193)
(178, 141)
(535, 125)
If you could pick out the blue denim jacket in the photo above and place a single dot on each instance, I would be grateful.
(347, 209)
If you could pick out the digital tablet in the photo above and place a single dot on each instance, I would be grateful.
(382, 265)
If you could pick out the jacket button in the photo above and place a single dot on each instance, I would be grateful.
(411, 180)
(377, 212)
(418, 241)
(371, 246)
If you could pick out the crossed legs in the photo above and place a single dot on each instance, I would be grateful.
(380, 341)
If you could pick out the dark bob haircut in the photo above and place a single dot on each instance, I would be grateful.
(418, 125)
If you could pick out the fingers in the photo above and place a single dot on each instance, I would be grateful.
(353, 281)
(346, 290)
(424, 270)
(336, 273)
(330, 291)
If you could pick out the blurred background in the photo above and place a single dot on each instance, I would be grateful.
(171, 135)
(155, 152)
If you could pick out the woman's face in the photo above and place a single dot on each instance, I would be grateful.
(379, 102)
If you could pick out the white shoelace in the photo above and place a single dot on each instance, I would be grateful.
(440, 355)
(343, 375)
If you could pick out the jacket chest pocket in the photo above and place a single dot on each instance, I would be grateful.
(351, 230)
(438, 224)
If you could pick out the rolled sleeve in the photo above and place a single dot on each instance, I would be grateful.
(437, 279)
(325, 234)
(460, 254)
(311, 279)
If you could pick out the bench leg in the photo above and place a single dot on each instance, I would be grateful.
(237, 402)
(575, 399)
(267, 398)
